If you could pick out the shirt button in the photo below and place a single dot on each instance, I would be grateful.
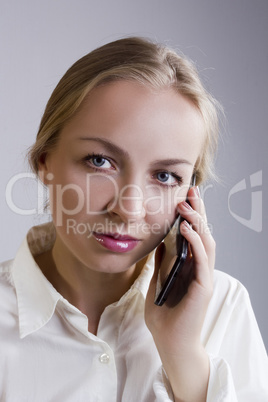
(104, 358)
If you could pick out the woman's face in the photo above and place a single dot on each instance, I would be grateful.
(120, 167)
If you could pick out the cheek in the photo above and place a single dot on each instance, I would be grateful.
(65, 201)
(160, 213)
(78, 195)
(161, 208)
(66, 195)
(163, 203)
(99, 190)
(180, 194)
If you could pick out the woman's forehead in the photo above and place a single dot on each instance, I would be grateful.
(130, 113)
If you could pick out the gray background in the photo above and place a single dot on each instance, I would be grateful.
(227, 40)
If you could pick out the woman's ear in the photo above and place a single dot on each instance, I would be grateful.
(42, 168)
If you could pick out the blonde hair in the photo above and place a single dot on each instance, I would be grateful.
(135, 59)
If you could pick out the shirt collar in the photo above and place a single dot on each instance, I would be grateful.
(36, 297)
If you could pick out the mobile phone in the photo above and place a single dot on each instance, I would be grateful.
(182, 251)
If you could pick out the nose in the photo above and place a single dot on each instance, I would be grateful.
(128, 204)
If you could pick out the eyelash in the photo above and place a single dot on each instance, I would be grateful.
(178, 178)
(93, 155)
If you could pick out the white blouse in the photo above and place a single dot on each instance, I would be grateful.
(48, 355)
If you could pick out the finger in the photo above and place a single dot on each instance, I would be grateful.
(196, 202)
(197, 221)
(202, 226)
(199, 226)
(202, 264)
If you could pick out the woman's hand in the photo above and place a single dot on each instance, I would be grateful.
(176, 326)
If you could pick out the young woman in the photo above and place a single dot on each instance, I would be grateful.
(122, 135)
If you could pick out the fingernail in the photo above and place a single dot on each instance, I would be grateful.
(187, 225)
(186, 205)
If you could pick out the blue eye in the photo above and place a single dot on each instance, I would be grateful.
(168, 179)
(163, 176)
(99, 161)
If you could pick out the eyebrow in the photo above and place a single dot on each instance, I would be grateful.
(170, 162)
(109, 145)
(121, 152)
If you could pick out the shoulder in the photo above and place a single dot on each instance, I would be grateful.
(228, 287)
(230, 297)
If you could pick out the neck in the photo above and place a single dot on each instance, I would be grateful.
(88, 290)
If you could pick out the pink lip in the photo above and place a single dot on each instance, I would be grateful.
(115, 242)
